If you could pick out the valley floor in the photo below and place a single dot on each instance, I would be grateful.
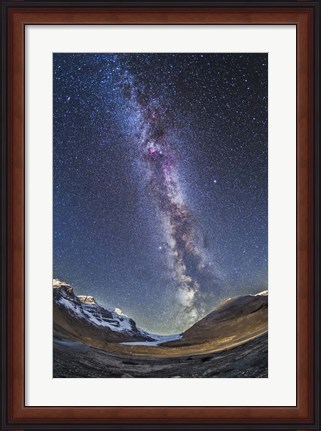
(73, 360)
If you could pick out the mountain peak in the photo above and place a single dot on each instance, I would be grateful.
(119, 312)
(62, 286)
(89, 300)
(56, 282)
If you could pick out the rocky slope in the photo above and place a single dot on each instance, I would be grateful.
(81, 318)
(233, 321)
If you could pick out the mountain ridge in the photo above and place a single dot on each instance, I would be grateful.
(80, 318)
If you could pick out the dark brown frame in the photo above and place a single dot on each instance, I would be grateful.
(306, 16)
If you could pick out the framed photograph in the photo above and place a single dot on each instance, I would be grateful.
(160, 213)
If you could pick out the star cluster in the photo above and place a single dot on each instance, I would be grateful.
(160, 181)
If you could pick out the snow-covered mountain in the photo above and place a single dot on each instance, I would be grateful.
(82, 318)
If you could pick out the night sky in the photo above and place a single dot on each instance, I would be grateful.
(160, 181)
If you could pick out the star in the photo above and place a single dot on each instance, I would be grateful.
(142, 143)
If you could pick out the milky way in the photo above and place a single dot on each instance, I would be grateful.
(160, 181)
(188, 266)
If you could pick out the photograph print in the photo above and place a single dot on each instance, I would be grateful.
(160, 215)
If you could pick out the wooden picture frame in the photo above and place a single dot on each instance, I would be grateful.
(306, 16)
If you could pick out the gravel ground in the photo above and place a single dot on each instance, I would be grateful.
(77, 360)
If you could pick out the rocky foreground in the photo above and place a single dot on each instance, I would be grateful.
(249, 360)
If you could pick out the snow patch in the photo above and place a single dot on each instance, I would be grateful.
(90, 311)
(263, 293)
(158, 340)
(117, 325)
(71, 306)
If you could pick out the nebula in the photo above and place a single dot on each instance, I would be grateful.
(188, 266)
